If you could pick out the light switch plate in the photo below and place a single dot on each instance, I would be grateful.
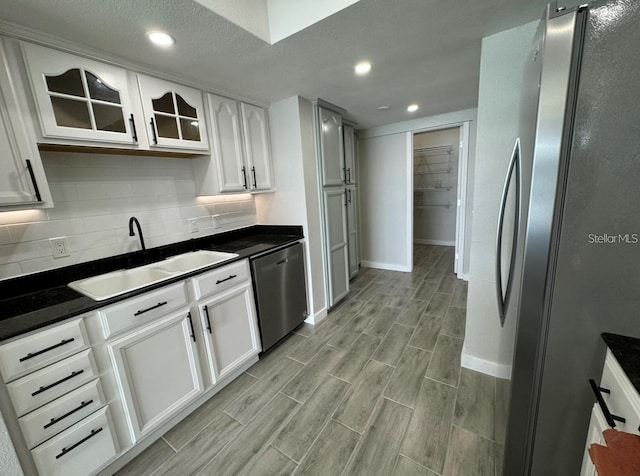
(193, 225)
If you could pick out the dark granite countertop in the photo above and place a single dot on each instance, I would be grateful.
(36, 300)
(627, 352)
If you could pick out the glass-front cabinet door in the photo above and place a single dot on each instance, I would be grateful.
(78, 98)
(174, 114)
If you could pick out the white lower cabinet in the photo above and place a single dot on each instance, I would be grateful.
(621, 401)
(79, 450)
(157, 371)
(229, 326)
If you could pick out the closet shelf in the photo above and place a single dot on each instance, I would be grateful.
(432, 189)
(434, 205)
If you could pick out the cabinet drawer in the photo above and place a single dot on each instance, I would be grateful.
(80, 450)
(623, 399)
(52, 418)
(38, 388)
(26, 354)
(142, 309)
(221, 279)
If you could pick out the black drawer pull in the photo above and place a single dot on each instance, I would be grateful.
(142, 311)
(152, 123)
(33, 180)
(255, 181)
(134, 133)
(193, 334)
(244, 177)
(598, 391)
(226, 279)
(69, 377)
(75, 445)
(206, 313)
(60, 418)
(31, 355)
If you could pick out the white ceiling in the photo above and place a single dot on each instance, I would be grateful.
(423, 51)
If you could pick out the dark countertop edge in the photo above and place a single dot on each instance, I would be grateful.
(626, 350)
(75, 304)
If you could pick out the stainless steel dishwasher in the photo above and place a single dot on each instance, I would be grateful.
(281, 293)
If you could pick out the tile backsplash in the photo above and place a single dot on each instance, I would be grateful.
(94, 197)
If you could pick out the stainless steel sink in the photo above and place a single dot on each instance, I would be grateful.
(115, 283)
(188, 262)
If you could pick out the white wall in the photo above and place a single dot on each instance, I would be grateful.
(436, 225)
(487, 347)
(296, 200)
(94, 196)
(9, 464)
(382, 175)
(385, 210)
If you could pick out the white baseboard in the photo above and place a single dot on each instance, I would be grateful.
(464, 276)
(387, 266)
(485, 366)
(422, 241)
(317, 318)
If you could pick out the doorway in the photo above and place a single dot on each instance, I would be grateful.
(439, 189)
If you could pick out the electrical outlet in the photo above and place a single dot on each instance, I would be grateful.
(193, 225)
(59, 247)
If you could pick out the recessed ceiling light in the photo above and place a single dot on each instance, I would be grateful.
(383, 108)
(363, 68)
(412, 108)
(160, 38)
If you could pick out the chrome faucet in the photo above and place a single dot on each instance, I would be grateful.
(133, 220)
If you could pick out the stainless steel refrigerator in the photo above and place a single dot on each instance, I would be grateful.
(569, 258)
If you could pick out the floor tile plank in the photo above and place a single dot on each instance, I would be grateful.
(380, 324)
(410, 315)
(254, 438)
(353, 362)
(454, 322)
(428, 434)
(406, 467)
(406, 380)
(377, 451)
(199, 451)
(188, 428)
(272, 358)
(445, 362)
(270, 463)
(253, 400)
(426, 333)
(392, 346)
(438, 304)
(299, 433)
(475, 403)
(469, 454)
(331, 451)
(311, 376)
(149, 460)
(359, 403)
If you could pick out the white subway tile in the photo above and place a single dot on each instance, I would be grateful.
(10, 270)
(63, 192)
(46, 229)
(16, 252)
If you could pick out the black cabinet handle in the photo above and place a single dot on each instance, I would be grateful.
(349, 192)
(598, 391)
(193, 334)
(153, 131)
(31, 355)
(244, 177)
(33, 180)
(346, 202)
(142, 311)
(348, 174)
(226, 279)
(75, 445)
(344, 173)
(69, 413)
(134, 132)
(69, 377)
(206, 313)
(255, 182)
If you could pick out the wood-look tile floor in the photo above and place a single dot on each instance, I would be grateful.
(375, 389)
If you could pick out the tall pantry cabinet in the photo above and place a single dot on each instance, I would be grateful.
(336, 153)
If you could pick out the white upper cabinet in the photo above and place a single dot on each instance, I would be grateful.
(22, 180)
(78, 98)
(331, 149)
(174, 114)
(226, 140)
(257, 147)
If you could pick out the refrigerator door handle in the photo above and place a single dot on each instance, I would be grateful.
(503, 298)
